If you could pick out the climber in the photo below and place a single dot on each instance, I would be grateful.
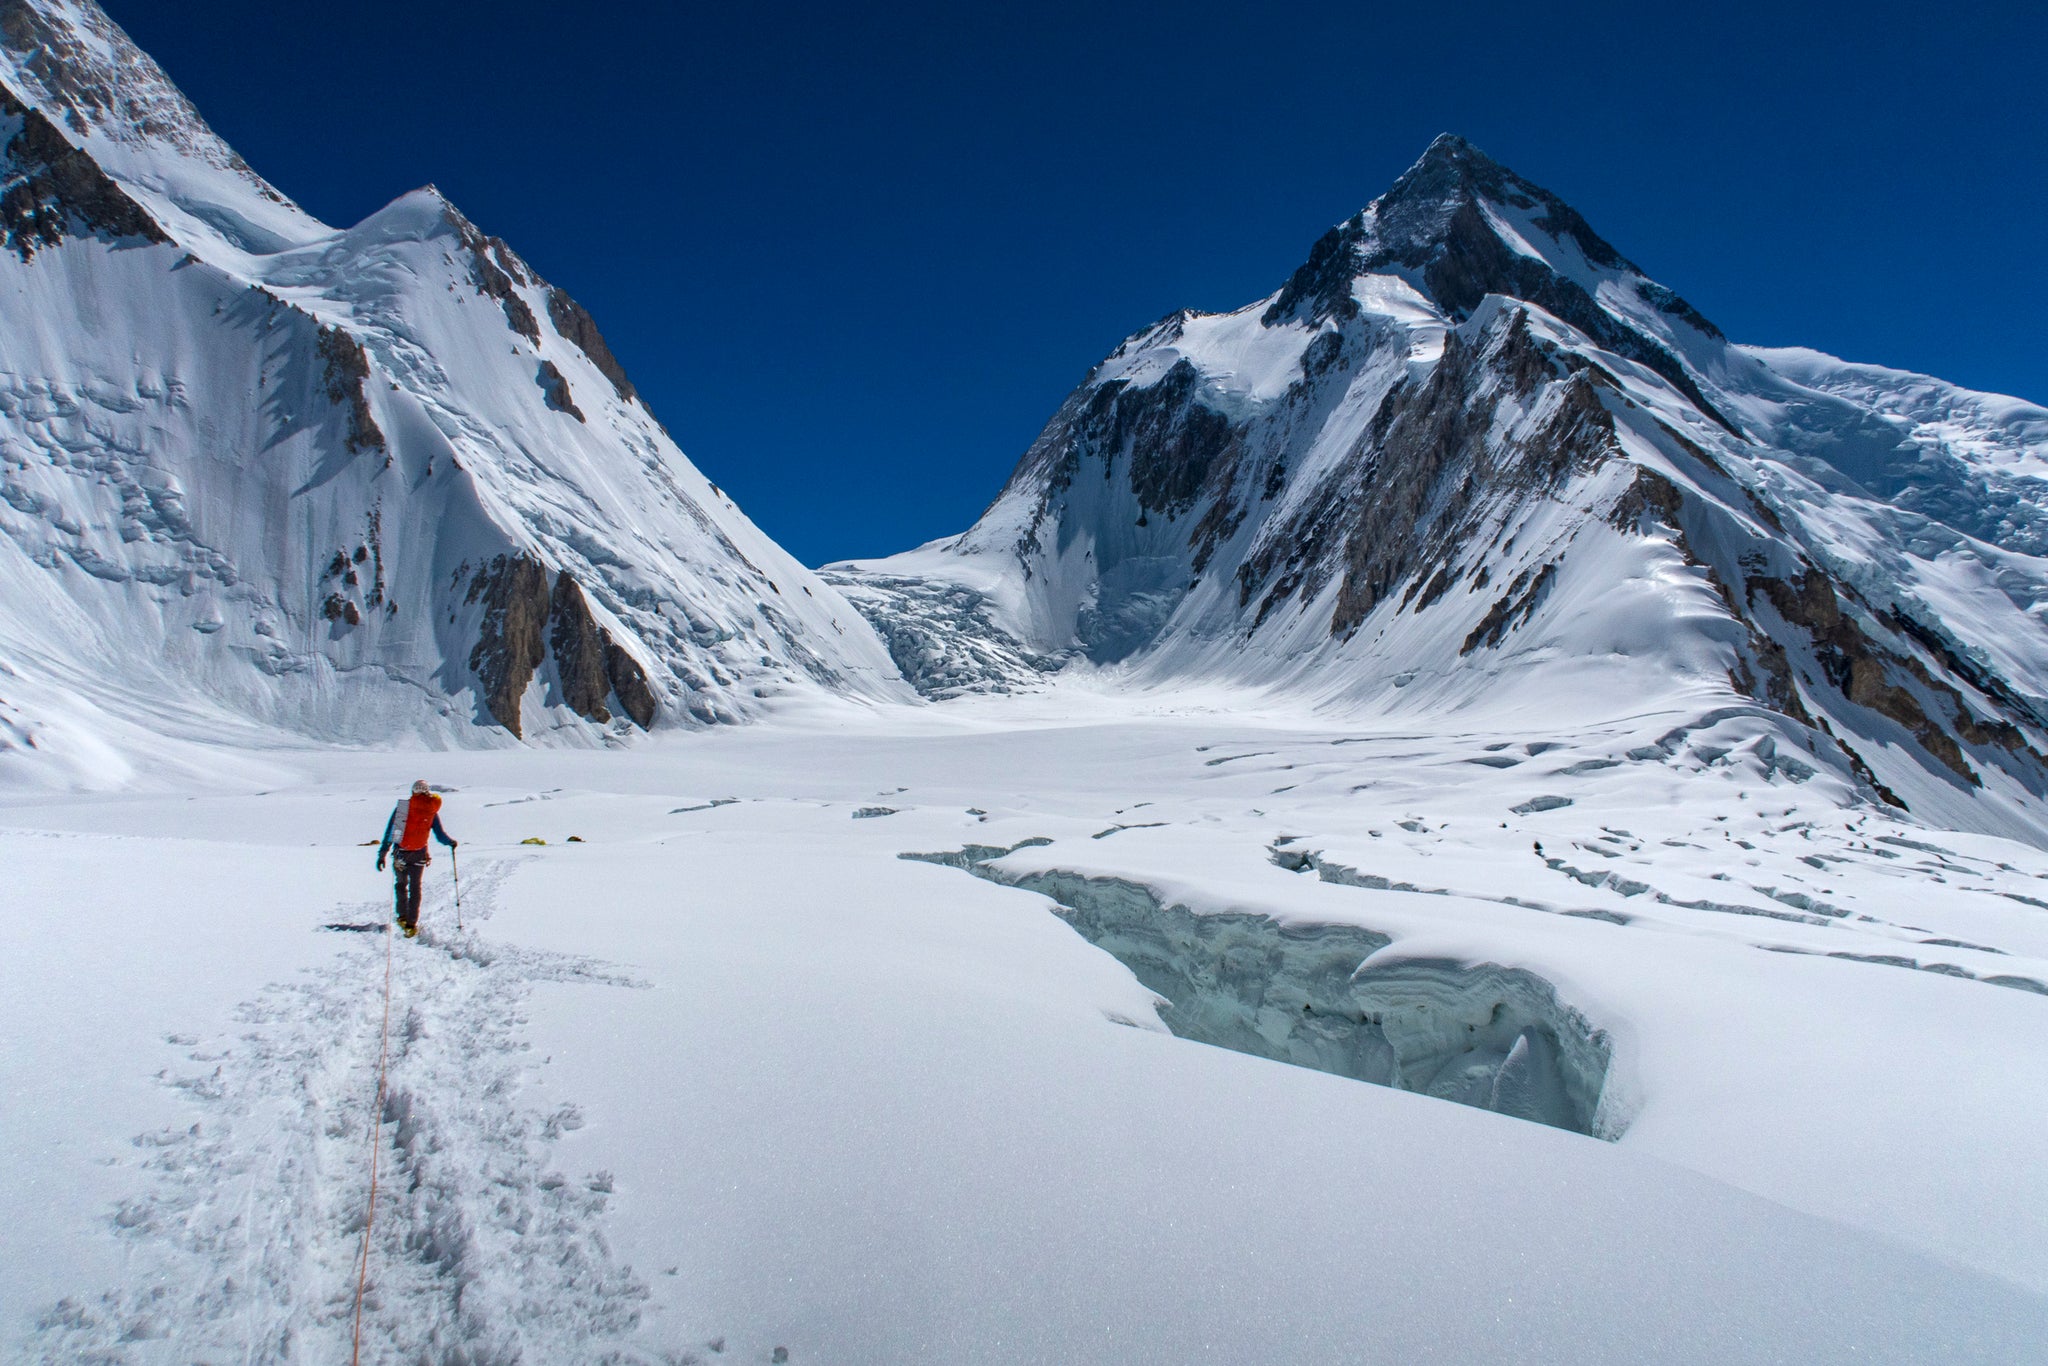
(411, 821)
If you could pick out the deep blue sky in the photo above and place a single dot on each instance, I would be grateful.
(854, 257)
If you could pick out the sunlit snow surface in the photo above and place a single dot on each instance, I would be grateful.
(730, 1074)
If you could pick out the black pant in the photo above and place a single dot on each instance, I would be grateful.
(406, 867)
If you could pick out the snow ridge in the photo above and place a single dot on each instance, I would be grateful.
(361, 484)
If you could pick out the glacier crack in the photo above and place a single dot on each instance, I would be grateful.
(1479, 1034)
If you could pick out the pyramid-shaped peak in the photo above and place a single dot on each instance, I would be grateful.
(1451, 171)
(1448, 149)
(1430, 210)
(1441, 226)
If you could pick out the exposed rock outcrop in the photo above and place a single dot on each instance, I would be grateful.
(525, 622)
(53, 190)
(1431, 474)
(579, 646)
(1874, 660)
(495, 267)
(346, 374)
(1864, 670)
(629, 683)
(1516, 605)
(556, 388)
(576, 326)
(511, 641)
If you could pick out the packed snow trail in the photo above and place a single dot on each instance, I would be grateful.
(246, 1247)
(355, 1354)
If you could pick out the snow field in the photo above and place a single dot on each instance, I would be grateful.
(731, 1071)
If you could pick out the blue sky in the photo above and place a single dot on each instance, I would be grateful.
(854, 258)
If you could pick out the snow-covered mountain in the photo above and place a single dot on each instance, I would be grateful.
(1468, 451)
(375, 482)
(1566, 991)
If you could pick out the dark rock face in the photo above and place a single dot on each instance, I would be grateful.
(525, 621)
(1417, 492)
(1175, 441)
(1431, 221)
(577, 327)
(579, 645)
(1864, 671)
(556, 390)
(1428, 439)
(347, 374)
(494, 267)
(340, 609)
(1931, 639)
(590, 665)
(1650, 498)
(510, 642)
(54, 191)
(629, 684)
(1515, 606)
(1177, 452)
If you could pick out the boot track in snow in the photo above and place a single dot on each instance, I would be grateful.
(246, 1247)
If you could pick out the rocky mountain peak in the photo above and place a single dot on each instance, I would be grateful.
(1460, 226)
(72, 61)
(1450, 169)
(1469, 445)
(1444, 195)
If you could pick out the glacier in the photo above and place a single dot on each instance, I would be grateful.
(1452, 813)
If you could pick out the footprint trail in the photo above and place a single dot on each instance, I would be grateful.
(244, 1245)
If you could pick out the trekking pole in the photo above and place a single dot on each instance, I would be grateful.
(455, 864)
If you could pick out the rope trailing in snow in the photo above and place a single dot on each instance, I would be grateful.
(355, 1355)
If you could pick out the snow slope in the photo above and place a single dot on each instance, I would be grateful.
(1469, 449)
(361, 484)
(1977, 462)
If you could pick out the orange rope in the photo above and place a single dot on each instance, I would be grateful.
(355, 1355)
